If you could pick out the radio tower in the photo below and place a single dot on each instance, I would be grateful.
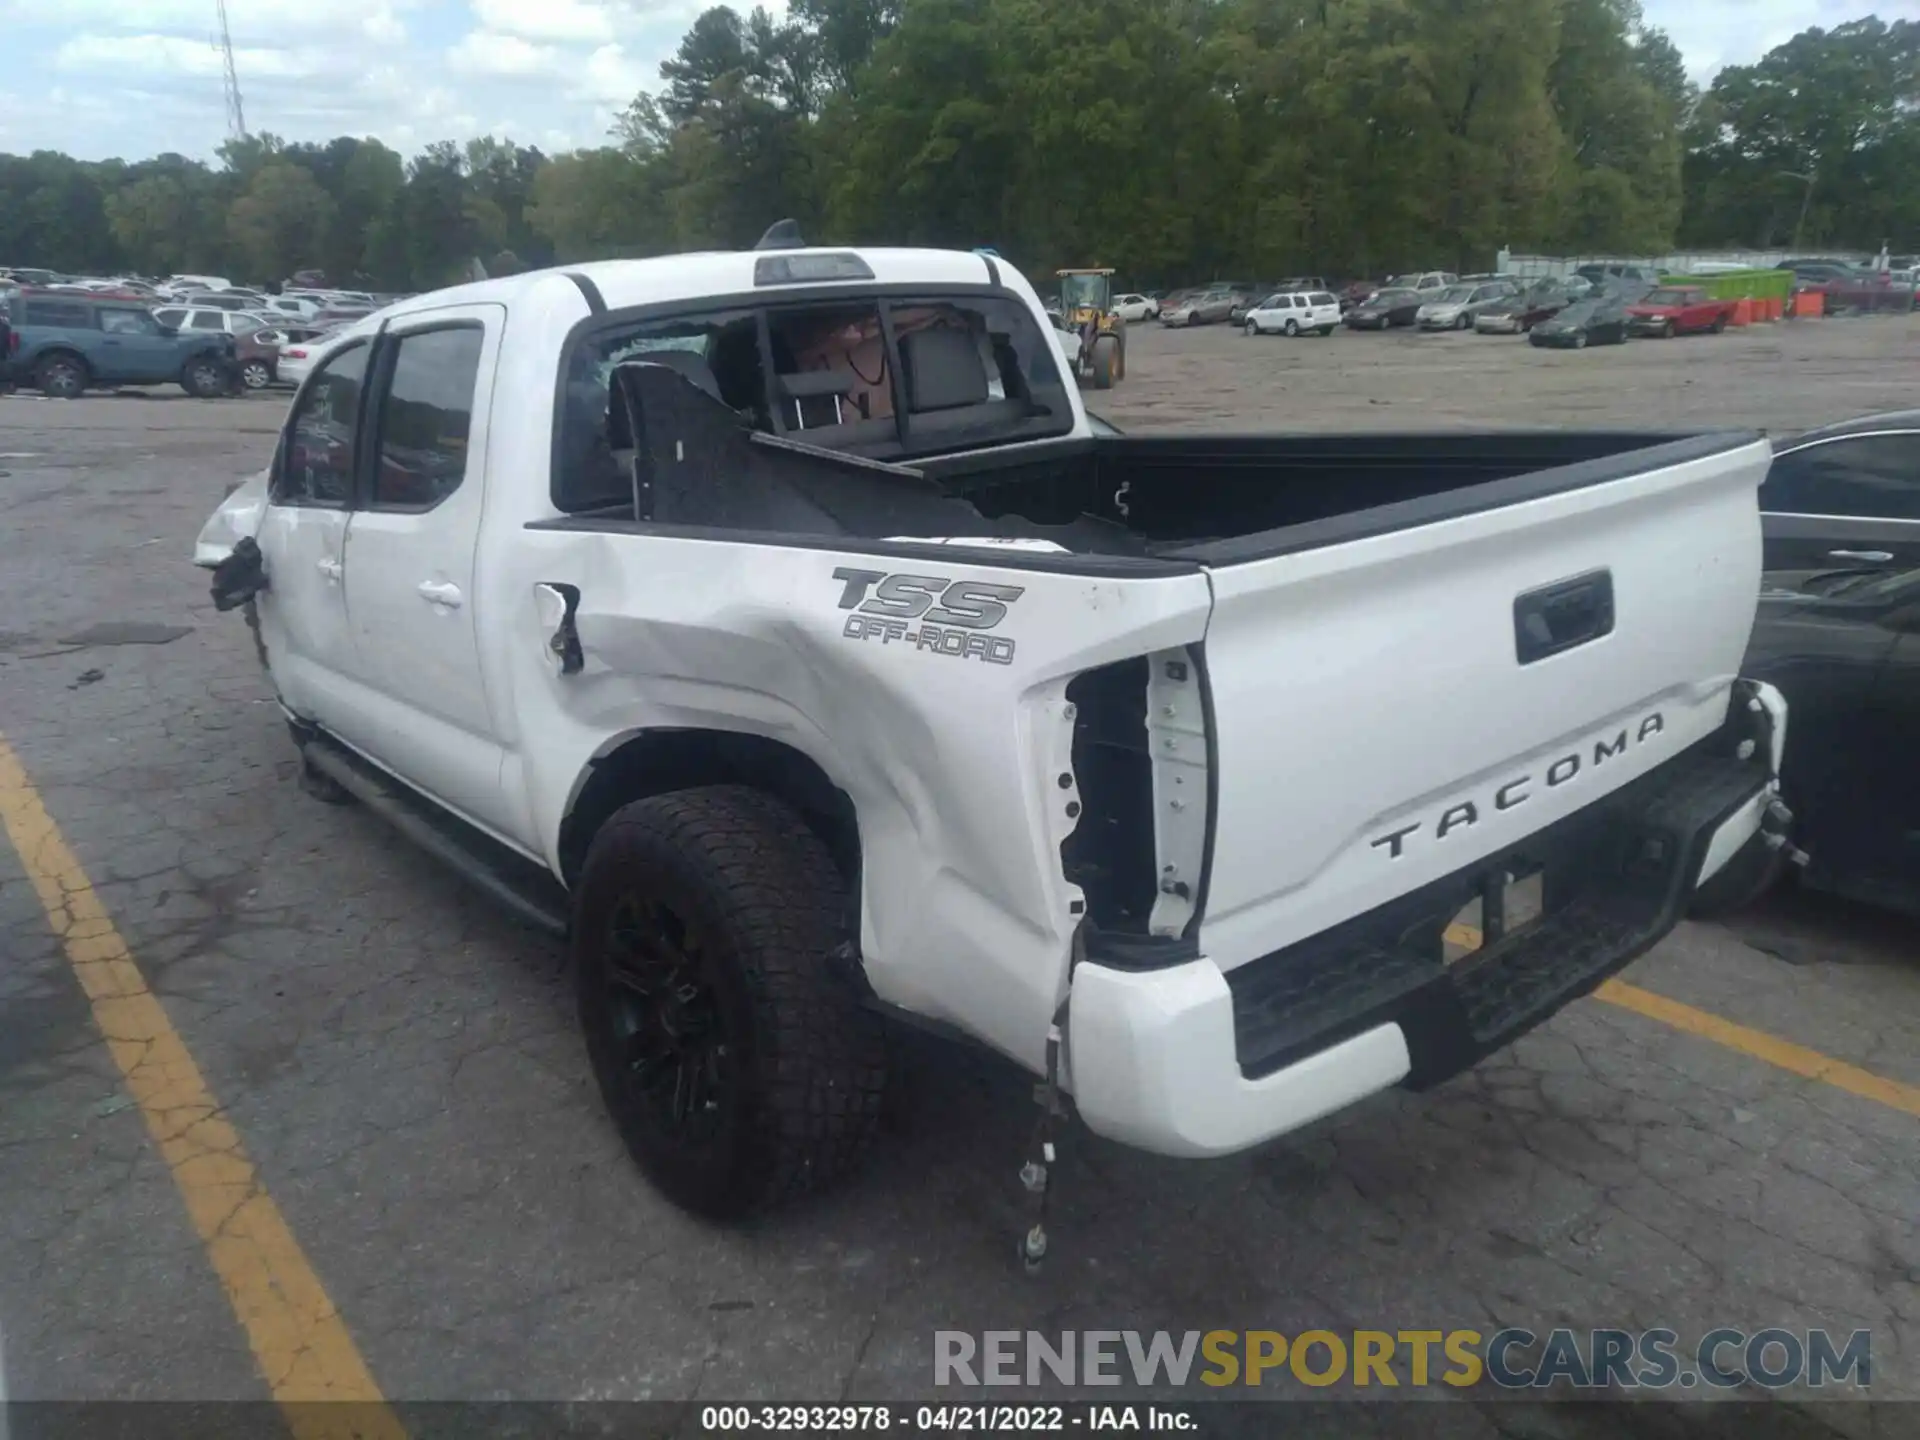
(236, 116)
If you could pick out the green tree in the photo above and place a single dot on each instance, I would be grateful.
(279, 220)
(1786, 149)
(596, 205)
(367, 240)
(154, 222)
(53, 213)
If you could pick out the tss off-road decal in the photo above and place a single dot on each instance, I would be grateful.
(928, 612)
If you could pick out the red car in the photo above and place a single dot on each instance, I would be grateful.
(1678, 309)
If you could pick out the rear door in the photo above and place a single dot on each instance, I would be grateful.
(1383, 719)
(1852, 501)
(410, 559)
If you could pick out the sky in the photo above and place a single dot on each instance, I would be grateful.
(133, 78)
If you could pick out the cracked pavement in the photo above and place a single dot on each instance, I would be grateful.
(402, 1067)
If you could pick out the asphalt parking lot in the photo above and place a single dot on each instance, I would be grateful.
(372, 1100)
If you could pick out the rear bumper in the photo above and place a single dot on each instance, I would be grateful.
(1194, 1061)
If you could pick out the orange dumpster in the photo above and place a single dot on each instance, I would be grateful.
(1809, 305)
(1742, 312)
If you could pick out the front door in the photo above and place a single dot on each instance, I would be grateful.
(410, 559)
(134, 349)
(302, 539)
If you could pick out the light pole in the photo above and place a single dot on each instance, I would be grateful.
(1806, 202)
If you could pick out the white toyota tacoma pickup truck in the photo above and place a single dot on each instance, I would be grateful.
(776, 625)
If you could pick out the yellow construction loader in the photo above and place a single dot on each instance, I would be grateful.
(1086, 304)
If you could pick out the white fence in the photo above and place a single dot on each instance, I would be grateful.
(1688, 262)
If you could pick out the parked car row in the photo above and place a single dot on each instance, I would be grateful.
(64, 340)
(65, 343)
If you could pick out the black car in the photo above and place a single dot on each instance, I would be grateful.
(1389, 309)
(1843, 646)
(1845, 496)
(1598, 320)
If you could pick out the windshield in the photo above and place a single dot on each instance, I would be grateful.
(1393, 297)
(1083, 292)
(1671, 297)
(1579, 313)
(1455, 295)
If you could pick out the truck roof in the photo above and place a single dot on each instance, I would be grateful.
(699, 276)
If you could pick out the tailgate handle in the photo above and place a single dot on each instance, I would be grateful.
(1562, 615)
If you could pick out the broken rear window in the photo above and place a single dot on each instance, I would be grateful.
(887, 378)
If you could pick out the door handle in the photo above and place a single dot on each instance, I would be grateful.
(440, 593)
(329, 567)
(1871, 557)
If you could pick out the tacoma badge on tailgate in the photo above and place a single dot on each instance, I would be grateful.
(1465, 814)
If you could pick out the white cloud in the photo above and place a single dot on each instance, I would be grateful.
(613, 77)
(581, 21)
(251, 21)
(164, 54)
(481, 52)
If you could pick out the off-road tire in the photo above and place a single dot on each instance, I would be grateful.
(61, 377)
(1103, 361)
(806, 1063)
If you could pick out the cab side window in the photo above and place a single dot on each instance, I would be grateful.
(425, 416)
(316, 463)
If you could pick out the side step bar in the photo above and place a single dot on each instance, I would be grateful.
(508, 879)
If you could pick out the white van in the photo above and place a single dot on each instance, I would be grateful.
(1292, 311)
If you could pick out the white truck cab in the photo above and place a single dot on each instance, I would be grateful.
(776, 625)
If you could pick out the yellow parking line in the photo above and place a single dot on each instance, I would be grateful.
(1781, 1054)
(297, 1336)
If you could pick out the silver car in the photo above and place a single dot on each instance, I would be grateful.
(1457, 305)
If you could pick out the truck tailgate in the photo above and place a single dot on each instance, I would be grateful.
(1391, 708)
